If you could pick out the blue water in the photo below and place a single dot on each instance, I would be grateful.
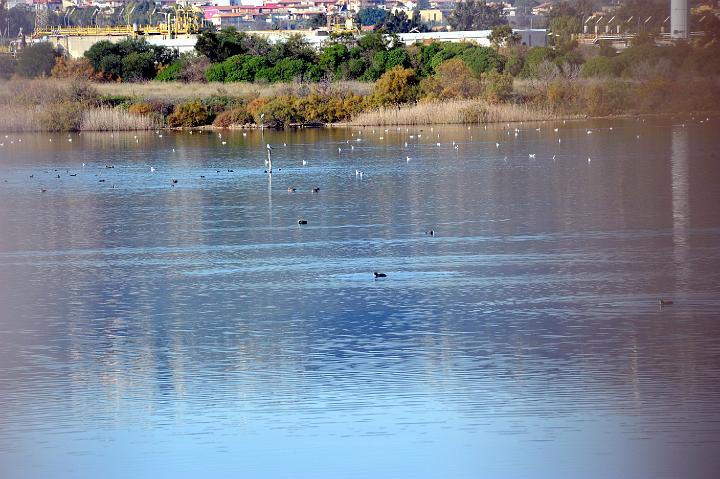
(195, 329)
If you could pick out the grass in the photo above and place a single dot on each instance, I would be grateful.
(455, 111)
(116, 119)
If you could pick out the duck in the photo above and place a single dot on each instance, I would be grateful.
(665, 302)
(379, 275)
(314, 189)
(430, 232)
(302, 222)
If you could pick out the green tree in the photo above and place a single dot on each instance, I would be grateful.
(399, 22)
(476, 15)
(371, 16)
(503, 34)
(483, 60)
(138, 66)
(562, 30)
(36, 60)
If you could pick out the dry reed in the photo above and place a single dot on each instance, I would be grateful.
(20, 118)
(456, 111)
(116, 119)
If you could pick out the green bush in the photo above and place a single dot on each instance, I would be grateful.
(191, 113)
(498, 86)
(280, 111)
(36, 60)
(609, 98)
(602, 67)
(170, 73)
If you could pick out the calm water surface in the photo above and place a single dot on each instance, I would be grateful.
(196, 330)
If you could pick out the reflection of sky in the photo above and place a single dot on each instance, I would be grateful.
(200, 328)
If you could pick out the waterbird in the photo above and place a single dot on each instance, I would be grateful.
(152, 169)
(224, 142)
(497, 145)
(666, 302)
(379, 275)
(43, 190)
(407, 158)
(430, 232)
(231, 171)
(531, 155)
(302, 222)
(556, 129)
(174, 182)
(304, 162)
(314, 189)
(291, 189)
(589, 160)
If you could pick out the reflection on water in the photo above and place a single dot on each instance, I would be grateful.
(151, 328)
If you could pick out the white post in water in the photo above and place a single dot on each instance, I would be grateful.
(269, 149)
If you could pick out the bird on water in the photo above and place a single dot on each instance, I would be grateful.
(379, 275)
(665, 302)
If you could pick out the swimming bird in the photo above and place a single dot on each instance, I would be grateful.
(589, 160)
(302, 222)
(291, 190)
(531, 155)
(43, 190)
(152, 169)
(304, 162)
(224, 142)
(314, 189)
(379, 275)
(174, 182)
(666, 302)
(407, 158)
(497, 145)
(430, 232)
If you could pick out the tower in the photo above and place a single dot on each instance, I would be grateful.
(679, 19)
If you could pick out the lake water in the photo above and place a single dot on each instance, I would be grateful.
(151, 329)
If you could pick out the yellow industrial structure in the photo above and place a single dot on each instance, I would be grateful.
(180, 21)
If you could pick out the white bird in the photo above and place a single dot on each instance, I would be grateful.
(419, 135)
(159, 136)
(589, 160)
(284, 144)
(244, 134)
(268, 146)
(70, 140)
(406, 144)
(412, 136)
(553, 157)
(531, 155)
(304, 162)
(339, 149)
(152, 169)
(50, 140)
(357, 172)
(556, 129)
(457, 147)
(407, 158)
(224, 142)
(381, 138)
(589, 132)
(638, 137)
(438, 144)
(358, 139)
(352, 147)
(497, 145)
(611, 128)
(559, 140)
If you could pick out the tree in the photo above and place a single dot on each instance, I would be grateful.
(7, 66)
(36, 60)
(400, 23)
(371, 16)
(317, 21)
(504, 34)
(219, 46)
(476, 15)
(562, 29)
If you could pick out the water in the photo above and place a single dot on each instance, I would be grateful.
(196, 330)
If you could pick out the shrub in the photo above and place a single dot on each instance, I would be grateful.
(603, 67)
(561, 95)
(256, 105)
(73, 68)
(191, 113)
(609, 98)
(170, 72)
(219, 103)
(498, 86)
(216, 73)
(397, 85)
(280, 111)
(65, 116)
(140, 109)
(236, 116)
(7, 67)
(36, 60)
(83, 92)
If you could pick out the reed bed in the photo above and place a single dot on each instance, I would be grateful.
(20, 119)
(174, 92)
(455, 111)
(116, 119)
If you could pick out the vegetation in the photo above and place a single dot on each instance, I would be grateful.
(129, 60)
(476, 15)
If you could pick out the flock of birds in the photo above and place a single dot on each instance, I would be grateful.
(510, 132)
